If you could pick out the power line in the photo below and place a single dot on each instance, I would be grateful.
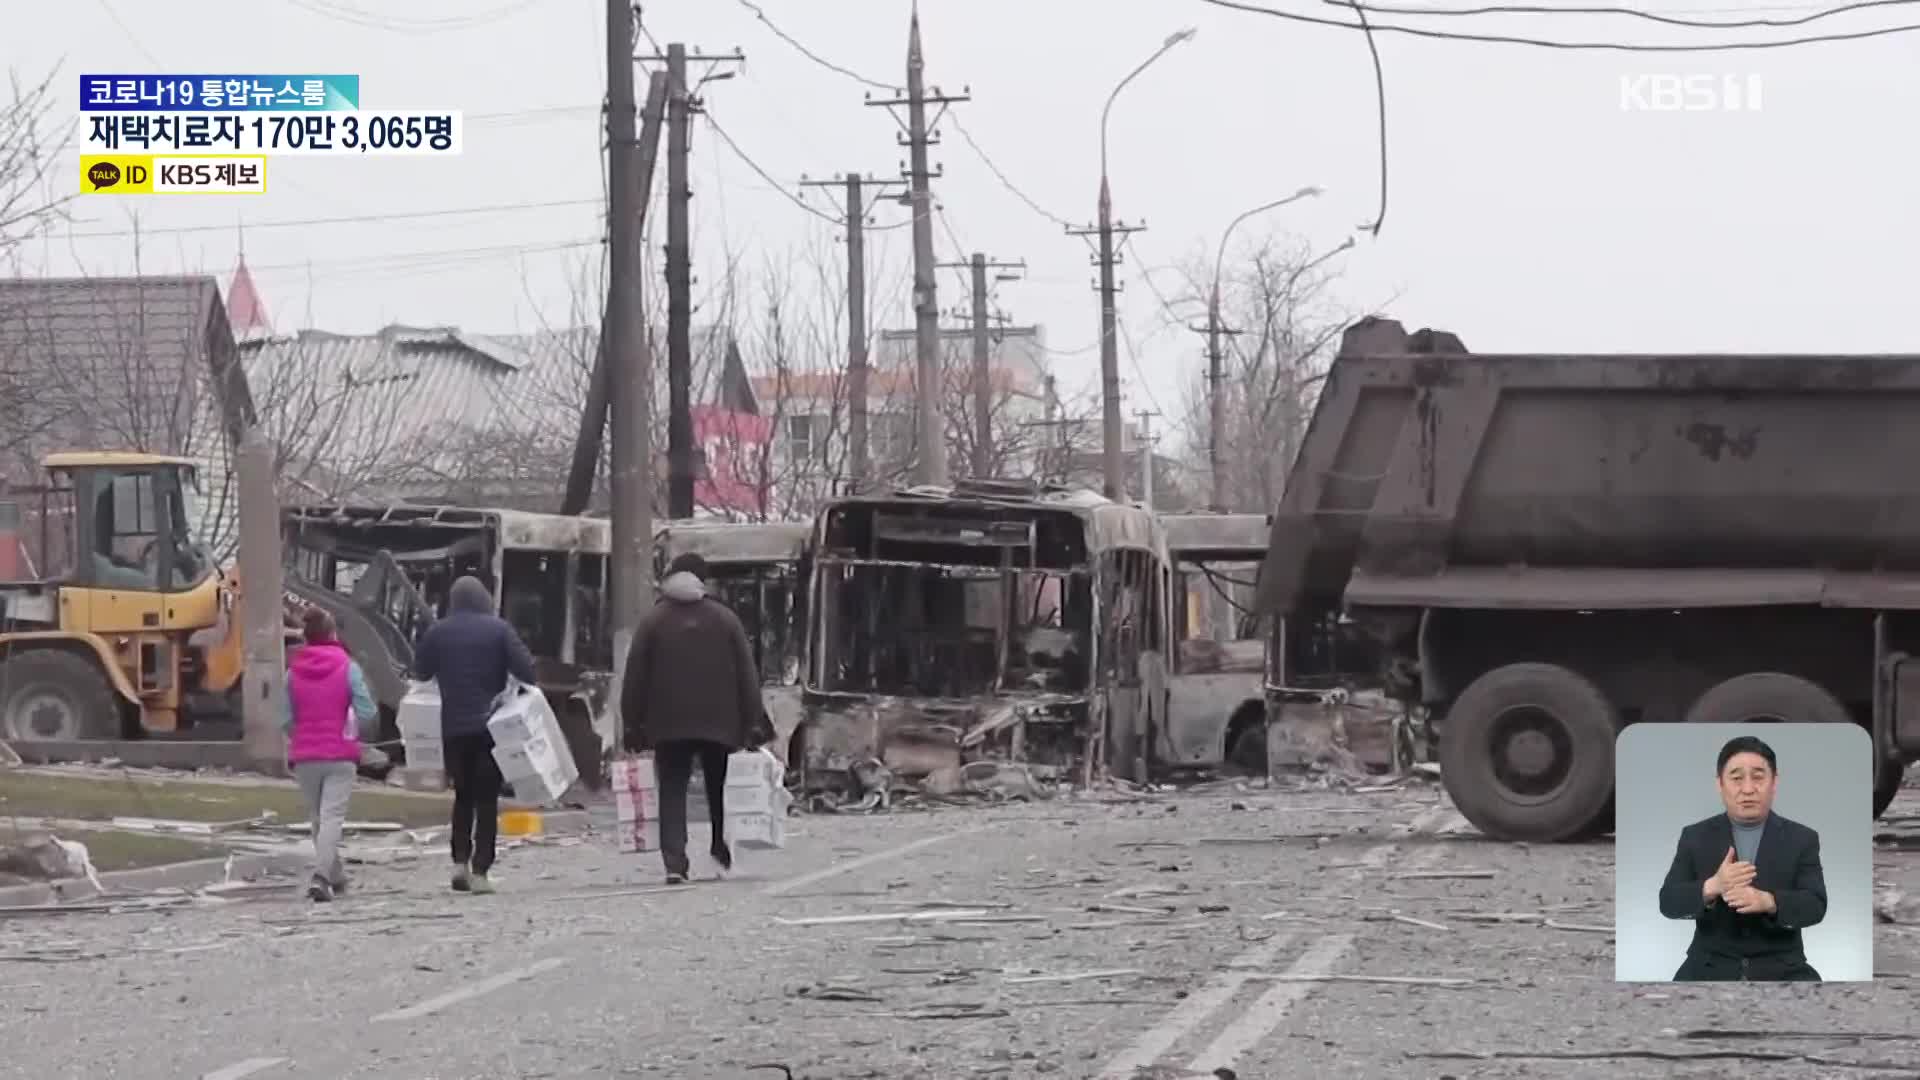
(356, 219)
(1006, 183)
(985, 159)
(764, 175)
(1571, 46)
(432, 256)
(340, 12)
(814, 56)
(107, 6)
(1668, 18)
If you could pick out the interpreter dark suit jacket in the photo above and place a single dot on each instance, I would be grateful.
(1726, 944)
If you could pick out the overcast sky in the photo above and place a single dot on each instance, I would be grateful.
(1526, 209)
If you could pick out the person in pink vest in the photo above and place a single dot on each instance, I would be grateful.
(326, 704)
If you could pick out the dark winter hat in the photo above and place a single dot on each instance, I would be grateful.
(689, 562)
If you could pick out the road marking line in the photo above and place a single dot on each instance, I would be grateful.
(1267, 1012)
(780, 888)
(1270, 1010)
(1144, 1051)
(243, 1068)
(465, 993)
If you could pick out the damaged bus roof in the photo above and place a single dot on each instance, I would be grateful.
(1109, 524)
(1216, 536)
(735, 541)
(517, 529)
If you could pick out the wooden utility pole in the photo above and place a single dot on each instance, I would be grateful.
(1107, 258)
(983, 355)
(1146, 455)
(1214, 330)
(932, 464)
(860, 464)
(629, 366)
(681, 105)
(264, 678)
(593, 418)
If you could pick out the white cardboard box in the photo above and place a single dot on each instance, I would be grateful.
(424, 753)
(756, 803)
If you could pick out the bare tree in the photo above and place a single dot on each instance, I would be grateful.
(1278, 300)
(28, 142)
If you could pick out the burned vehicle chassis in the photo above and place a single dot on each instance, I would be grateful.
(946, 629)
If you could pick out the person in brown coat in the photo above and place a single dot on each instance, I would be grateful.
(690, 693)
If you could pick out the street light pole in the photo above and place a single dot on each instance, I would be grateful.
(1216, 396)
(1111, 476)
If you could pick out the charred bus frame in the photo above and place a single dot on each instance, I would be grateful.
(385, 572)
(988, 620)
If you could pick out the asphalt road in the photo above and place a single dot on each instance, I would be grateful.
(1074, 939)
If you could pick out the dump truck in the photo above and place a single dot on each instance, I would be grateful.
(1543, 549)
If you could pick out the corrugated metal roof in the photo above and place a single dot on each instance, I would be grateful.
(109, 363)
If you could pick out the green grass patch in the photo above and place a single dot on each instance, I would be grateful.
(112, 849)
(89, 798)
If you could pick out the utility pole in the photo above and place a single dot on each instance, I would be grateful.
(1216, 403)
(860, 467)
(1146, 455)
(629, 367)
(681, 105)
(1107, 258)
(932, 466)
(593, 418)
(983, 354)
(264, 678)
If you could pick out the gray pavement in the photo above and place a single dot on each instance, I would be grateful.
(1191, 905)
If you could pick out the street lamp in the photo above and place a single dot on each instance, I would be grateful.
(1216, 401)
(1109, 346)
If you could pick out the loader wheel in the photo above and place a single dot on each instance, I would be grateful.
(1768, 697)
(1527, 754)
(50, 695)
(1886, 786)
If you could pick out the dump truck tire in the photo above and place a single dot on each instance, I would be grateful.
(52, 695)
(1886, 786)
(1527, 754)
(1768, 697)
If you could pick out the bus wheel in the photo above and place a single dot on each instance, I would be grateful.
(1527, 753)
(49, 695)
(1768, 697)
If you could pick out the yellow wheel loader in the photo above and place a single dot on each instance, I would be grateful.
(121, 624)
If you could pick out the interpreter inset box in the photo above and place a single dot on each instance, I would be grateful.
(1743, 852)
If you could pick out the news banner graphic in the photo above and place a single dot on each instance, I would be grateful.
(211, 134)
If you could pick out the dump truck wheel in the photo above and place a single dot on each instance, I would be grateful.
(1527, 753)
(1886, 786)
(1768, 697)
(50, 695)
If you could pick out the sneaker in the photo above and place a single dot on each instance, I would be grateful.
(480, 885)
(676, 878)
(319, 891)
(723, 855)
(461, 882)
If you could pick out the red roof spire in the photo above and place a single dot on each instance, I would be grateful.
(244, 309)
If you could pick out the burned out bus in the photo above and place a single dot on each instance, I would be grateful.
(987, 621)
(758, 569)
(1216, 712)
(385, 571)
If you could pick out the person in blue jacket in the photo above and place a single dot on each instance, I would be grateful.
(472, 652)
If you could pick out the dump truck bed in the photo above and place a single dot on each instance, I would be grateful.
(1432, 476)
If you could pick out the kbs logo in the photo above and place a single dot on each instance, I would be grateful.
(210, 175)
(1689, 93)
